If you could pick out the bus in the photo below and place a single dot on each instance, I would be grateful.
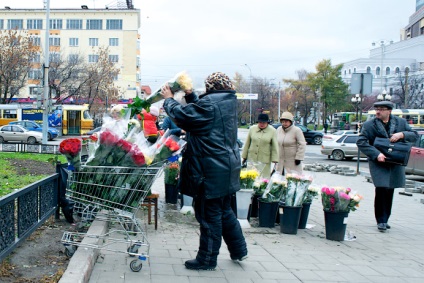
(341, 118)
(414, 117)
(68, 119)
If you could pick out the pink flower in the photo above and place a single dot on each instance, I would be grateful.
(344, 196)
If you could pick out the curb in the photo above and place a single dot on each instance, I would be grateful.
(82, 262)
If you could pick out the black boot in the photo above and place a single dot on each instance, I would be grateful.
(193, 264)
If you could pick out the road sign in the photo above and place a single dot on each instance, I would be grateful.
(361, 81)
(249, 96)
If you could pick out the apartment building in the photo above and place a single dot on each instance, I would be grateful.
(82, 31)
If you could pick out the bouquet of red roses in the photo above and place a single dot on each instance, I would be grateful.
(71, 148)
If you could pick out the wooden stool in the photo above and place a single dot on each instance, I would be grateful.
(152, 200)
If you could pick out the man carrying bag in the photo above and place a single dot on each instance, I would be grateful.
(385, 175)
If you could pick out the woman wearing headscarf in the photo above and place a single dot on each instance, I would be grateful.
(210, 169)
(291, 145)
(261, 145)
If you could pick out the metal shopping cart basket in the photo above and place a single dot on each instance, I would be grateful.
(112, 194)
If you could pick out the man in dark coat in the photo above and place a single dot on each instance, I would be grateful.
(210, 169)
(385, 176)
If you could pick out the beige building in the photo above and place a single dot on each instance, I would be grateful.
(82, 31)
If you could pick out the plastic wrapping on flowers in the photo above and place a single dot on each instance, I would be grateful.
(274, 189)
(339, 199)
(297, 186)
(71, 148)
(250, 174)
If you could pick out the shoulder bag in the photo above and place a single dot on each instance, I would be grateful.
(395, 152)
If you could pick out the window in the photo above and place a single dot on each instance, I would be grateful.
(113, 41)
(35, 40)
(397, 70)
(35, 90)
(73, 58)
(354, 70)
(73, 41)
(387, 71)
(34, 74)
(55, 23)
(15, 24)
(54, 41)
(114, 58)
(94, 24)
(34, 24)
(73, 24)
(36, 58)
(377, 71)
(54, 57)
(93, 58)
(1, 24)
(368, 70)
(351, 139)
(113, 24)
(93, 41)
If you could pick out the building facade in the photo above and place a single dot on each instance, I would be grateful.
(82, 31)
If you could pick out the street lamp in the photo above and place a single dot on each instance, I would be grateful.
(356, 100)
(250, 98)
(384, 96)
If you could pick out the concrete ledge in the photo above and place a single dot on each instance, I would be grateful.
(82, 262)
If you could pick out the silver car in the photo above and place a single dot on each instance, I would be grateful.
(343, 148)
(16, 133)
(416, 158)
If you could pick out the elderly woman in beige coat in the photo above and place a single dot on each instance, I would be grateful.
(261, 145)
(291, 145)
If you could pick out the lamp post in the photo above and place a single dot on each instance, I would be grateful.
(384, 96)
(250, 98)
(356, 100)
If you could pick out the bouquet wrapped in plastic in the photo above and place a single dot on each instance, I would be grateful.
(259, 186)
(275, 188)
(297, 185)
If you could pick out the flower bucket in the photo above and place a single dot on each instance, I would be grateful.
(304, 215)
(335, 225)
(254, 206)
(267, 213)
(289, 219)
(243, 201)
(171, 194)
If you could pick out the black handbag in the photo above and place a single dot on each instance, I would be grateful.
(395, 152)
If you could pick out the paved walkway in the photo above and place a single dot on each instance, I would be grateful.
(392, 256)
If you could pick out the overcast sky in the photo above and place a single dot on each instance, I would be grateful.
(273, 37)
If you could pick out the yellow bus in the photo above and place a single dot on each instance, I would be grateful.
(68, 119)
(415, 117)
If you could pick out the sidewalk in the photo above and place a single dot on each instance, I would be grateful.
(393, 256)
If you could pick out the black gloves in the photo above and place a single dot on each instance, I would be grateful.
(297, 162)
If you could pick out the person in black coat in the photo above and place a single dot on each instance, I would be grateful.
(210, 168)
(385, 176)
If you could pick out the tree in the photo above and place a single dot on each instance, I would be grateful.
(409, 92)
(328, 83)
(16, 54)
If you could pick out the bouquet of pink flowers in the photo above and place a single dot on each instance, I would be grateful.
(339, 199)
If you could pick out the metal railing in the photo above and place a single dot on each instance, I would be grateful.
(33, 148)
(23, 211)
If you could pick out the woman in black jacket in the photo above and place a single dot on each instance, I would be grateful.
(210, 169)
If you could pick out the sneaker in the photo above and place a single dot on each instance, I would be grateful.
(388, 226)
(193, 264)
(239, 258)
(381, 226)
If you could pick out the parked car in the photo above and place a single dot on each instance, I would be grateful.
(312, 137)
(343, 148)
(338, 134)
(16, 133)
(52, 133)
(416, 158)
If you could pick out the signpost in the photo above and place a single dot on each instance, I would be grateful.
(250, 97)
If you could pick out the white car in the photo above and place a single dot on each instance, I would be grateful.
(16, 133)
(343, 148)
(336, 135)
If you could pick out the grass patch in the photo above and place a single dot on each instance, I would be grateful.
(11, 181)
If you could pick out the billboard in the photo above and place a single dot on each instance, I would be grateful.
(249, 96)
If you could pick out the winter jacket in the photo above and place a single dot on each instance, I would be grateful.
(261, 146)
(384, 174)
(211, 161)
(171, 127)
(291, 146)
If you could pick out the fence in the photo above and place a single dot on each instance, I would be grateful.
(32, 148)
(23, 211)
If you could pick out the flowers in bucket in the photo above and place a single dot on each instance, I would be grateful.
(275, 188)
(248, 177)
(71, 148)
(339, 199)
(311, 193)
(172, 171)
(259, 186)
(297, 186)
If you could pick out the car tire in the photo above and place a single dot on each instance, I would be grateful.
(32, 140)
(1, 140)
(49, 136)
(338, 155)
(318, 140)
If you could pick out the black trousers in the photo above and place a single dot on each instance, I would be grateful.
(217, 220)
(383, 204)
